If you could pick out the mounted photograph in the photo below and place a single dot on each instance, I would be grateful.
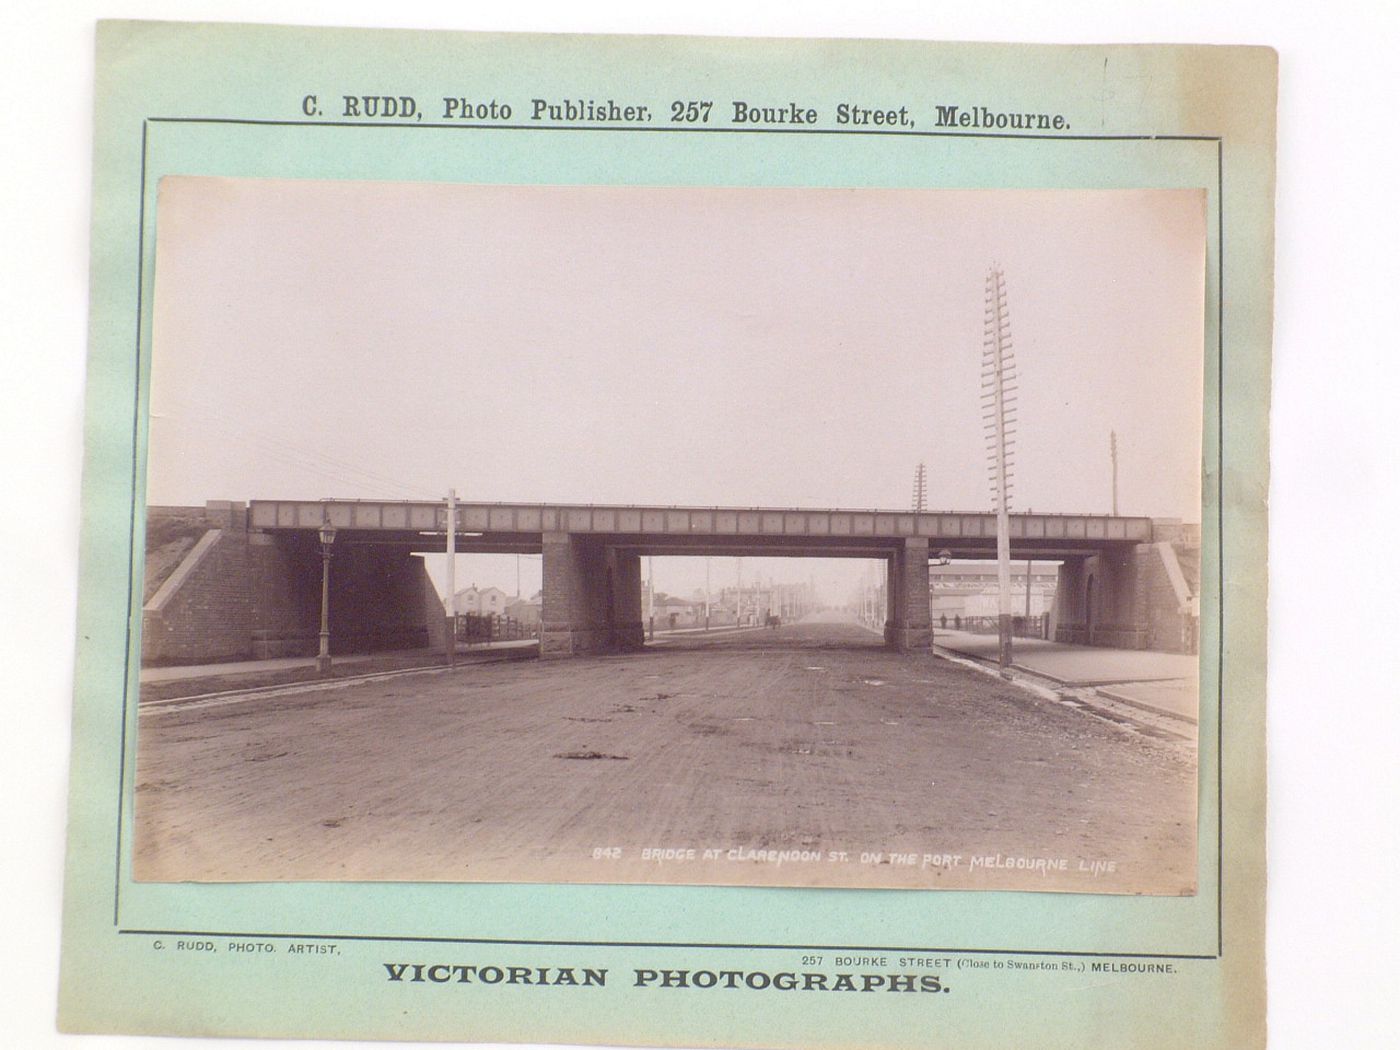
(679, 535)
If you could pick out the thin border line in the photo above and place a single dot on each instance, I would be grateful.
(131, 539)
(379, 938)
(1220, 461)
(681, 130)
(1220, 550)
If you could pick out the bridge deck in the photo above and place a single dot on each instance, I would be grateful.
(693, 530)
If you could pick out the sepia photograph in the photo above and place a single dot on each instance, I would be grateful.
(706, 536)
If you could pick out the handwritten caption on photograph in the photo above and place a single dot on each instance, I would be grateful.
(681, 855)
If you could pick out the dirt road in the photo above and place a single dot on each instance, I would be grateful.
(805, 755)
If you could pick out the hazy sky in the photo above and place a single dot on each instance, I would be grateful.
(738, 347)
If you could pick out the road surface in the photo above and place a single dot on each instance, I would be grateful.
(805, 755)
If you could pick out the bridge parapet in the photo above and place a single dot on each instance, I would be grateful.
(955, 528)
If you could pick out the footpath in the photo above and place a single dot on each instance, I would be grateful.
(370, 662)
(1166, 683)
(366, 661)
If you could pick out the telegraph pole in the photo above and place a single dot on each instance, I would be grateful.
(1113, 459)
(998, 397)
(451, 577)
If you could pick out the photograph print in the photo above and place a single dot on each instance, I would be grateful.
(724, 536)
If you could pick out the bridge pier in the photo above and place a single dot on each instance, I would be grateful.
(592, 600)
(1095, 602)
(625, 591)
(573, 607)
(908, 625)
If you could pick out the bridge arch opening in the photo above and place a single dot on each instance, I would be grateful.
(725, 603)
(498, 597)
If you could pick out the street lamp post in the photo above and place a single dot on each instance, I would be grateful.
(451, 604)
(323, 658)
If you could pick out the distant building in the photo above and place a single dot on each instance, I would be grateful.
(481, 601)
(970, 589)
(526, 611)
(670, 612)
(787, 601)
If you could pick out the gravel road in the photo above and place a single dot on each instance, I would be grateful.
(806, 755)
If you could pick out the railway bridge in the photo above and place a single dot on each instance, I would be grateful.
(250, 585)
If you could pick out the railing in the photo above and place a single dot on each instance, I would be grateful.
(484, 628)
(1021, 626)
(1109, 635)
